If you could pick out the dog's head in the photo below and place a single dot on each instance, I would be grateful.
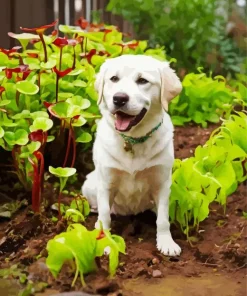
(130, 85)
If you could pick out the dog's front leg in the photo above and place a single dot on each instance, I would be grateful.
(165, 242)
(103, 197)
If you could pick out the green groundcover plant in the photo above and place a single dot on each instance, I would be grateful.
(212, 174)
(80, 247)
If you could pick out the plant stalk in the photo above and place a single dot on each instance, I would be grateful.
(44, 46)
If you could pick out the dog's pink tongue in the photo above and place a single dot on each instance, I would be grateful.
(123, 121)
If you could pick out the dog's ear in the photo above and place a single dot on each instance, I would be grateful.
(171, 85)
(99, 82)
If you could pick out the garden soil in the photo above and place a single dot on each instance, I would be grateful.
(213, 264)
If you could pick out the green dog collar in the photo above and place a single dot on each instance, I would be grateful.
(129, 142)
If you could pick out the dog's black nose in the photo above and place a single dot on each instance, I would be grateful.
(120, 99)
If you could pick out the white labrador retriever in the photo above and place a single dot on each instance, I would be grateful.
(133, 151)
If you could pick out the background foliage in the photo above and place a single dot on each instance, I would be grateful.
(193, 32)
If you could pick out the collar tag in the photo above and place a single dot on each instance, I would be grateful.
(129, 142)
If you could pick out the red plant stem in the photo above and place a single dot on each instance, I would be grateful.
(36, 187)
(68, 149)
(44, 46)
(57, 82)
(40, 157)
(39, 77)
(60, 59)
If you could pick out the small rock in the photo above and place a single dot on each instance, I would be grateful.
(157, 274)
(237, 245)
(155, 261)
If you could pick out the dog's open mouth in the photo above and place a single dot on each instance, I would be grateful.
(124, 122)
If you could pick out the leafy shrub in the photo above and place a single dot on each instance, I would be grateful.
(79, 247)
(211, 175)
(193, 32)
(48, 88)
(205, 99)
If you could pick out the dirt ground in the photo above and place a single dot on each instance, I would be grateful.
(216, 263)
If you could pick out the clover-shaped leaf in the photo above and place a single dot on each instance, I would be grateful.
(79, 101)
(64, 110)
(19, 137)
(41, 123)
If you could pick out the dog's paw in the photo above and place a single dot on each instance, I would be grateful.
(167, 246)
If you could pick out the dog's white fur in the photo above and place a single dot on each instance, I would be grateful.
(126, 183)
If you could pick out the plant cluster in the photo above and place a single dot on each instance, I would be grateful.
(212, 174)
(47, 92)
(193, 32)
(206, 99)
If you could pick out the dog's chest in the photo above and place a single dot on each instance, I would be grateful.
(133, 193)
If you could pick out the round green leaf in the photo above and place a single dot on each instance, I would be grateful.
(9, 137)
(41, 123)
(39, 114)
(84, 138)
(64, 110)
(79, 122)
(48, 65)
(79, 101)
(23, 114)
(21, 137)
(62, 172)
(33, 146)
(27, 88)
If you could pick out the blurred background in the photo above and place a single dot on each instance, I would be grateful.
(197, 33)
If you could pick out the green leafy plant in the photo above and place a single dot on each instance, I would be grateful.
(63, 174)
(205, 99)
(212, 174)
(80, 247)
(77, 211)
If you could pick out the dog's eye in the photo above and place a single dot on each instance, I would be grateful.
(114, 79)
(141, 81)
